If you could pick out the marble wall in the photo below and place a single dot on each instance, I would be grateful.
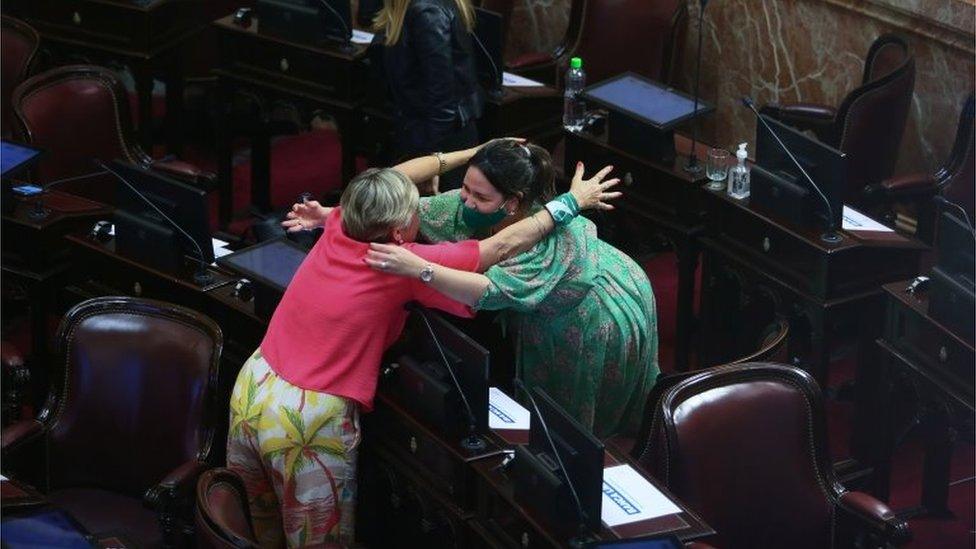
(810, 51)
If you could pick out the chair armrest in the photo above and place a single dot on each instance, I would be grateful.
(186, 172)
(876, 516)
(913, 187)
(806, 116)
(181, 482)
(529, 59)
(18, 434)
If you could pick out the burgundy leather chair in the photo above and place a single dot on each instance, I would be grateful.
(955, 180)
(745, 446)
(612, 37)
(223, 518)
(78, 113)
(869, 124)
(18, 49)
(129, 424)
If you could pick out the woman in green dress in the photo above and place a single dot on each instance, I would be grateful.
(584, 311)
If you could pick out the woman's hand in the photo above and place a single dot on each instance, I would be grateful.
(305, 216)
(591, 194)
(393, 259)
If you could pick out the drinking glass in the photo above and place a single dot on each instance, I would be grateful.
(717, 168)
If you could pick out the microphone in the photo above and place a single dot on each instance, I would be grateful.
(582, 531)
(497, 90)
(830, 236)
(945, 202)
(693, 167)
(472, 442)
(346, 31)
(202, 276)
(39, 212)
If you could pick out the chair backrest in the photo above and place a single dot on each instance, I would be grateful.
(771, 348)
(76, 113)
(958, 177)
(223, 518)
(616, 36)
(18, 50)
(871, 120)
(137, 397)
(744, 446)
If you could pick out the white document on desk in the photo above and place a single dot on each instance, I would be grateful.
(515, 81)
(629, 497)
(505, 413)
(361, 37)
(854, 220)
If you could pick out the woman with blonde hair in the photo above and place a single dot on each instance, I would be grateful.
(294, 414)
(429, 64)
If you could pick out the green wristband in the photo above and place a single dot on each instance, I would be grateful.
(563, 208)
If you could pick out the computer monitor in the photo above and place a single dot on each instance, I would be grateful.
(540, 483)
(270, 266)
(144, 235)
(778, 185)
(426, 386)
(489, 40)
(954, 247)
(305, 21)
(15, 158)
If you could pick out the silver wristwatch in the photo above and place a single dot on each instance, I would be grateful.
(427, 274)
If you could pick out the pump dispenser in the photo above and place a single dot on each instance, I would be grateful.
(739, 175)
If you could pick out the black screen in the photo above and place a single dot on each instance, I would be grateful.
(273, 263)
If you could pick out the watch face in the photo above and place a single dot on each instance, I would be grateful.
(427, 274)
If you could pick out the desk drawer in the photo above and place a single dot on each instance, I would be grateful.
(104, 24)
(288, 67)
(925, 342)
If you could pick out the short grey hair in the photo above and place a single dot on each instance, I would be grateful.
(376, 202)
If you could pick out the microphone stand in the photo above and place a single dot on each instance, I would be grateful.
(39, 212)
(345, 46)
(581, 533)
(830, 236)
(202, 276)
(693, 167)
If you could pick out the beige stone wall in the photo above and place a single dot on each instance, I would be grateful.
(807, 50)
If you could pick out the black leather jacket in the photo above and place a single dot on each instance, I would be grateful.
(431, 75)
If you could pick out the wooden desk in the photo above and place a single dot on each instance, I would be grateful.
(146, 36)
(416, 486)
(755, 265)
(659, 199)
(259, 73)
(917, 352)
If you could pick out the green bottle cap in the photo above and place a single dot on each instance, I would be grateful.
(576, 63)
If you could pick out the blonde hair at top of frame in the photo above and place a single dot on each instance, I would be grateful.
(376, 202)
(390, 18)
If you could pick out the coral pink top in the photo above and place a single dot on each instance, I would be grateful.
(337, 316)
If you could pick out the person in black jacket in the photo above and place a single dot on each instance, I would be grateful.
(429, 65)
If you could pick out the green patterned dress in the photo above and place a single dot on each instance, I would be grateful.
(585, 317)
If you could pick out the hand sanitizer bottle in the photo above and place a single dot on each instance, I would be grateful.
(739, 176)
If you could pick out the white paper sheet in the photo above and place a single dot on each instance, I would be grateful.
(505, 413)
(361, 37)
(854, 220)
(516, 81)
(629, 497)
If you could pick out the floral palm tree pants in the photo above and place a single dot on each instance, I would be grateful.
(296, 451)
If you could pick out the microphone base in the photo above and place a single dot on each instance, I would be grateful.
(38, 213)
(831, 237)
(202, 277)
(473, 443)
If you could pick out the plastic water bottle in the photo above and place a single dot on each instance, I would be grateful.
(739, 176)
(574, 108)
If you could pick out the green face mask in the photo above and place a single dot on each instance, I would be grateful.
(477, 220)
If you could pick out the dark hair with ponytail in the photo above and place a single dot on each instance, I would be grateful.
(513, 168)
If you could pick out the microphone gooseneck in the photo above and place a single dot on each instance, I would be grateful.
(497, 89)
(946, 202)
(472, 442)
(569, 482)
(830, 236)
(347, 32)
(693, 167)
(202, 277)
